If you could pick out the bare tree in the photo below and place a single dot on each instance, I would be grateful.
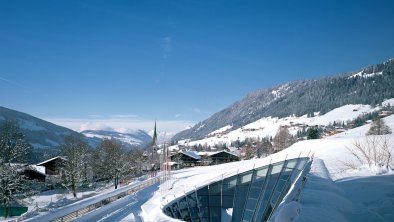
(14, 186)
(136, 160)
(249, 151)
(114, 163)
(378, 127)
(282, 139)
(13, 147)
(373, 150)
(73, 172)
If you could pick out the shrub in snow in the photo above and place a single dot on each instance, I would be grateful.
(372, 151)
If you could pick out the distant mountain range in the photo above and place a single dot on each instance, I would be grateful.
(370, 85)
(139, 138)
(39, 133)
(46, 137)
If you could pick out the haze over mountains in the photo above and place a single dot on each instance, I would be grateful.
(371, 85)
(137, 139)
(368, 86)
(47, 137)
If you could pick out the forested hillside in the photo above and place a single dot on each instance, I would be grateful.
(370, 85)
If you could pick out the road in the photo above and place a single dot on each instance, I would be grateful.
(125, 209)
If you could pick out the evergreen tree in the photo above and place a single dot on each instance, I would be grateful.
(313, 133)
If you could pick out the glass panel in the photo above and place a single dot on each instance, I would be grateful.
(191, 199)
(251, 204)
(215, 188)
(294, 175)
(216, 213)
(301, 163)
(168, 212)
(246, 177)
(185, 214)
(215, 201)
(204, 213)
(269, 189)
(203, 200)
(184, 209)
(229, 183)
(280, 185)
(253, 195)
(292, 163)
(203, 191)
(267, 213)
(182, 204)
(228, 191)
(254, 192)
(275, 197)
(215, 194)
(194, 213)
(175, 211)
(241, 195)
(248, 215)
(276, 168)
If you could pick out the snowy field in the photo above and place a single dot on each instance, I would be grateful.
(268, 126)
(333, 191)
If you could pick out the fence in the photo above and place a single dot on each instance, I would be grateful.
(85, 209)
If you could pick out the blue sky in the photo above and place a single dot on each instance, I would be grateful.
(122, 64)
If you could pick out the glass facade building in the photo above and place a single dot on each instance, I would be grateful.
(252, 195)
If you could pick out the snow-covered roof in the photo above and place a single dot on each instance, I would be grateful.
(210, 153)
(46, 161)
(192, 154)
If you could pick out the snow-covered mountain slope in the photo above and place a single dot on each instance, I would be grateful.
(325, 197)
(138, 138)
(268, 126)
(39, 133)
(370, 85)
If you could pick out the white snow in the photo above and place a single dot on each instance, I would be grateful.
(388, 102)
(332, 192)
(288, 212)
(123, 138)
(280, 92)
(324, 197)
(220, 130)
(268, 126)
(365, 75)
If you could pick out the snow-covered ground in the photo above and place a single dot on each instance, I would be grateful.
(333, 191)
(268, 126)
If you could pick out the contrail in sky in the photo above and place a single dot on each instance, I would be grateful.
(14, 84)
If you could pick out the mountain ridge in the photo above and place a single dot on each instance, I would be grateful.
(302, 97)
(136, 139)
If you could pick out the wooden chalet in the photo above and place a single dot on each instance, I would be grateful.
(186, 158)
(33, 174)
(53, 166)
(223, 157)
